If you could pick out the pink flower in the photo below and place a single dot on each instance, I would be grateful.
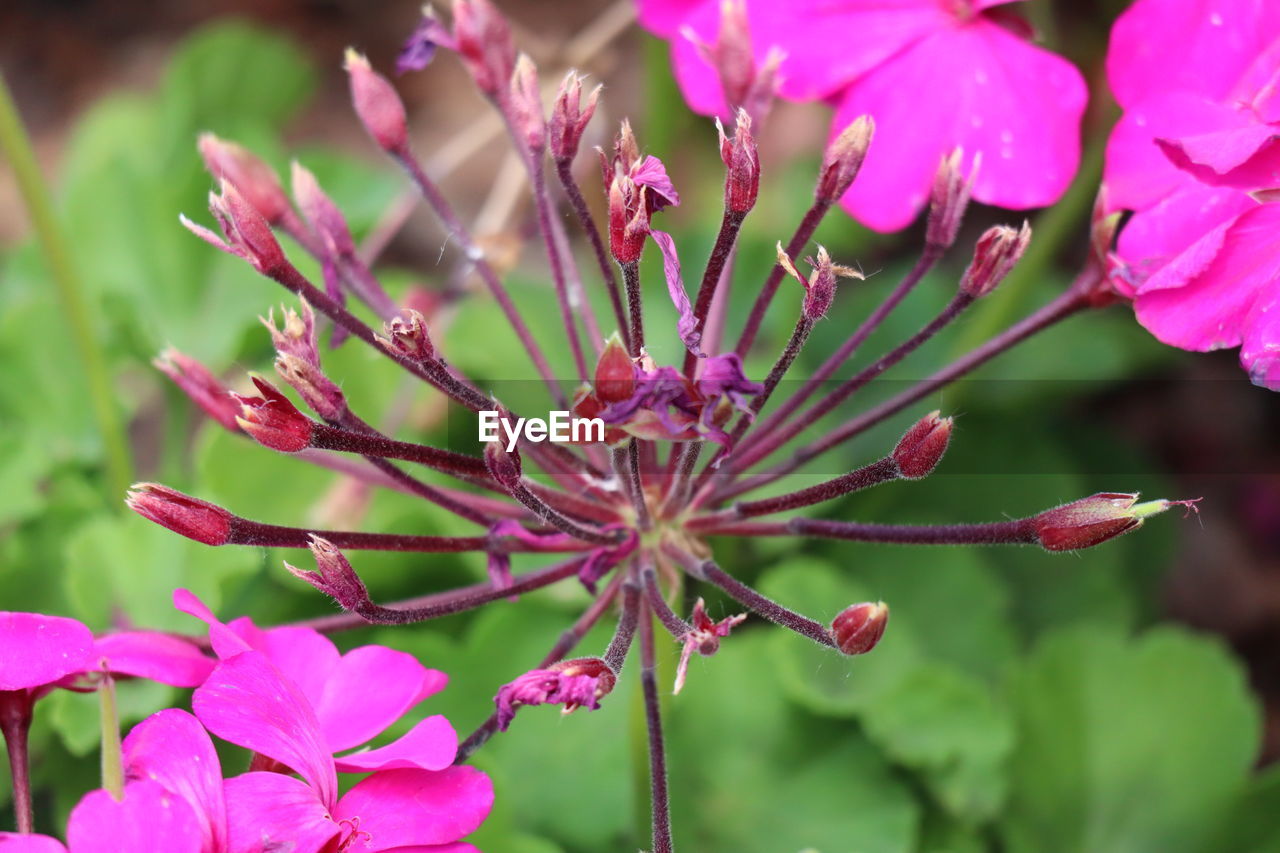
(934, 76)
(1194, 157)
(287, 695)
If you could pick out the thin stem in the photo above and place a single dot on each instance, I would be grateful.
(521, 492)
(684, 460)
(577, 290)
(730, 225)
(459, 233)
(881, 471)
(16, 146)
(1016, 532)
(568, 640)
(631, 277)
(676, 626)
(112, 757)
(850, 346)
(616, 655)
(15, 722)
(804, 231)
(713, 333)
(326, 437)
(1066, 305)
(638, 501)
(542, 201)
(246, 532)
(580, 209)
(659, 795)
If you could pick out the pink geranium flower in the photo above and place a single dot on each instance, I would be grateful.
(413, 797)
(934, 76)
(1195, 157)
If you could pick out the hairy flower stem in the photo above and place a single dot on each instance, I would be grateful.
(15, 723)
(616, 655)
(460, 465)
(459, 233)
(245, 532)
(631, 278)
(525, 495)
(1066, 305)
(779, 437)
(638, 501)
(730, 225)
(579, 206)
(865, 477)
(660, 796)
(804, 231)
(1017, 532)
(766, 427)
(676, 626)
(542, 202)
(568, 640)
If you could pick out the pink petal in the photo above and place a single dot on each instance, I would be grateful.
(1201, 299)
(977, 87)
(457, 847)
(687, 325)
(1247, 158)
(36, 649)
(1260, 353)
(266, 809)
(304, 656)
(417, 807)
(225, 642)
(1259, 87)
(652, 174)
(666, 17)
(246, 701)
(429, 745)
(1200, 46)
(159, 657)
(148, 818)
(1156, 235)
(12, 842)
(173, 750)
(369, 689)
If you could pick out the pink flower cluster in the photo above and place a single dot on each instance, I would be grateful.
(933, 75)
(287, 695)
(1197, 158)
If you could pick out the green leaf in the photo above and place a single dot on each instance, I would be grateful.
(1127, 745)
(1253, 823)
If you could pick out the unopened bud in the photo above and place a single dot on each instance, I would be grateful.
(626, 221)
(569, 117)
(255, 180)
(949, 200)
(335, 577)
(526, 106)
(996, 254)
(318, 391)
(820, 289)
(921, 447)
(376, 103)
(245, 233)
(199, 384)
(273, 421)
(504, 466)
(321, 213)
(183, 514)
(407, 336)
(1093, 520)
(483, 40)
(615, 378)
(742, 160)
(296, 334)
(843, 158)
(859, 628)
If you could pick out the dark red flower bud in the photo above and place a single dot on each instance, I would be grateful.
(407, 336)
(483, 40)
(997, 252)
(503, 465)
(273, 421)
(336, 578)
(318, 391)
(1093, 520)
(859, 628)
(245, 233)
(742, 159)
(183, 514)
(321, 213)
(628, 219)
(199, 383)
(820, 289)
(921, 447)
(569, 117)
(843, 159)
(950, 199)
(379, 107)
(525, 99)
(615, 378)
(255, 180)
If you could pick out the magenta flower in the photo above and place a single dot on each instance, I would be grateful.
(935, 76)
(1194, 157)
(413, 797)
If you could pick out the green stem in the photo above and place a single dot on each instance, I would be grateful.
(112, 757)
(16, 146)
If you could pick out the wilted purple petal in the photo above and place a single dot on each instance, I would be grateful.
(687, 326)
(420, 48)
(429, 745)
(601, 560)
(650, 173)
(722, 376)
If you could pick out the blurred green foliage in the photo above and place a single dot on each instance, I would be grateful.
(1019, 702)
